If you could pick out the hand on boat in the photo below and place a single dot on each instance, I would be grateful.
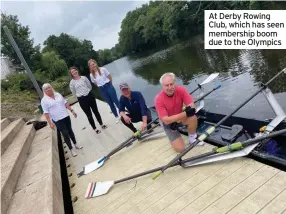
(143, 127)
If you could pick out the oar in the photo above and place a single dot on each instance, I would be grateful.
(207, 80)
(98, 163)
(212, 128)
(239, 149)
(100, 188)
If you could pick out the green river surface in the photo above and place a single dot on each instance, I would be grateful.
(240, 73)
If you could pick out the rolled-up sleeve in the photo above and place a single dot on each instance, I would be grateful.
(45, 107)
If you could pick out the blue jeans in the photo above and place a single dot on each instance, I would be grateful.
(109, 94)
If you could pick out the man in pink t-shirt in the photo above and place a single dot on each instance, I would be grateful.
(169, 103)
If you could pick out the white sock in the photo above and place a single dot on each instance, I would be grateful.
(192, 137)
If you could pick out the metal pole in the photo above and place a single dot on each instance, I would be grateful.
(18, 52)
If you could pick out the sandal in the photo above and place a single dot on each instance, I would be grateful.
(97, 131)
(104, 127)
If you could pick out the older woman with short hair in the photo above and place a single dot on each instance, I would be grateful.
(55, 110)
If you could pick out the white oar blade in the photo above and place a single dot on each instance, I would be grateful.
(98, 188)
(92, 166)
(220, 157)
(199, 108)
(210, 78)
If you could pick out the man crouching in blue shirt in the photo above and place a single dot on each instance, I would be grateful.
(135, 104)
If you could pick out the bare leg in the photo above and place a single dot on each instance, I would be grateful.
(178, 145)
(191, 123)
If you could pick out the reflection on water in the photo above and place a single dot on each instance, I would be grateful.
(240, 71)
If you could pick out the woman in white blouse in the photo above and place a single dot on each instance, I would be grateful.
(103, 80)
(81, 88)
(55, 110)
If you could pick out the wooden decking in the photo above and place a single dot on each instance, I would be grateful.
(238, 185)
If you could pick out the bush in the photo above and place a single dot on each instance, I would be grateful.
(18, 82)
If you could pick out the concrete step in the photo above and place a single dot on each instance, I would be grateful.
(39, 188)
(4, 123)
(9, 133)
(13, 161)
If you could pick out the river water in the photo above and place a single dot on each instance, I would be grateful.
(240, 73)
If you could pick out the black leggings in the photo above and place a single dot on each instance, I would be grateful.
(137, 119)
(87, 102)
(64, 126)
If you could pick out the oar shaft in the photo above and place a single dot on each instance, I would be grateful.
(195, 90)
(161, 167)
(121, 146)
(268, 136)
(197, 157)
(218, 124)
(131, 139)
(250, 98)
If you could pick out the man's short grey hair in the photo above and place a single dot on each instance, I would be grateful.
(167, 74)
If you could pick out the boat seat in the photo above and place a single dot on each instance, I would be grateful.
(234, 132)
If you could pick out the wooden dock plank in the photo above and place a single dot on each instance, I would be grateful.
(276, 205)
(241, 191)
(238, 185)
(258, 199)
(223, 186)
(149, 186)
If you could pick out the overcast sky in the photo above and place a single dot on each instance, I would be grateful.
(97, 21)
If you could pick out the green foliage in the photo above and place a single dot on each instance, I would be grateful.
(161, 23)
(73, 51)
(18, 82)
(21, 35)
(52, 66)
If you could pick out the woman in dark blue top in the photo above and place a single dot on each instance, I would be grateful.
(135, 104)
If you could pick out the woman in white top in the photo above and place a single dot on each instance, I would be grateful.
(103, 80)
(81, 88)
(55, 109)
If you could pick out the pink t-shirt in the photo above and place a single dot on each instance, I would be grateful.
(168, 106)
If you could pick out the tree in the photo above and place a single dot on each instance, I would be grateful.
(52, 66)
(21, 35)
(73, 51)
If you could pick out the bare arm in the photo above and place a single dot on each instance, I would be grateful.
(109, 77)
(174, 118)
(68, 107)
(48, 118)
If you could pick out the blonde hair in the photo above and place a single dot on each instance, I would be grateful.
(97, 68)
(45, 86)
(166, 75)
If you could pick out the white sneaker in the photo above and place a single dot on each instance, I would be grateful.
(78, 146)
(201, 143)
(117, 119)
(73, 152)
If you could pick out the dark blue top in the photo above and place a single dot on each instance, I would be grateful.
(136, 106)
